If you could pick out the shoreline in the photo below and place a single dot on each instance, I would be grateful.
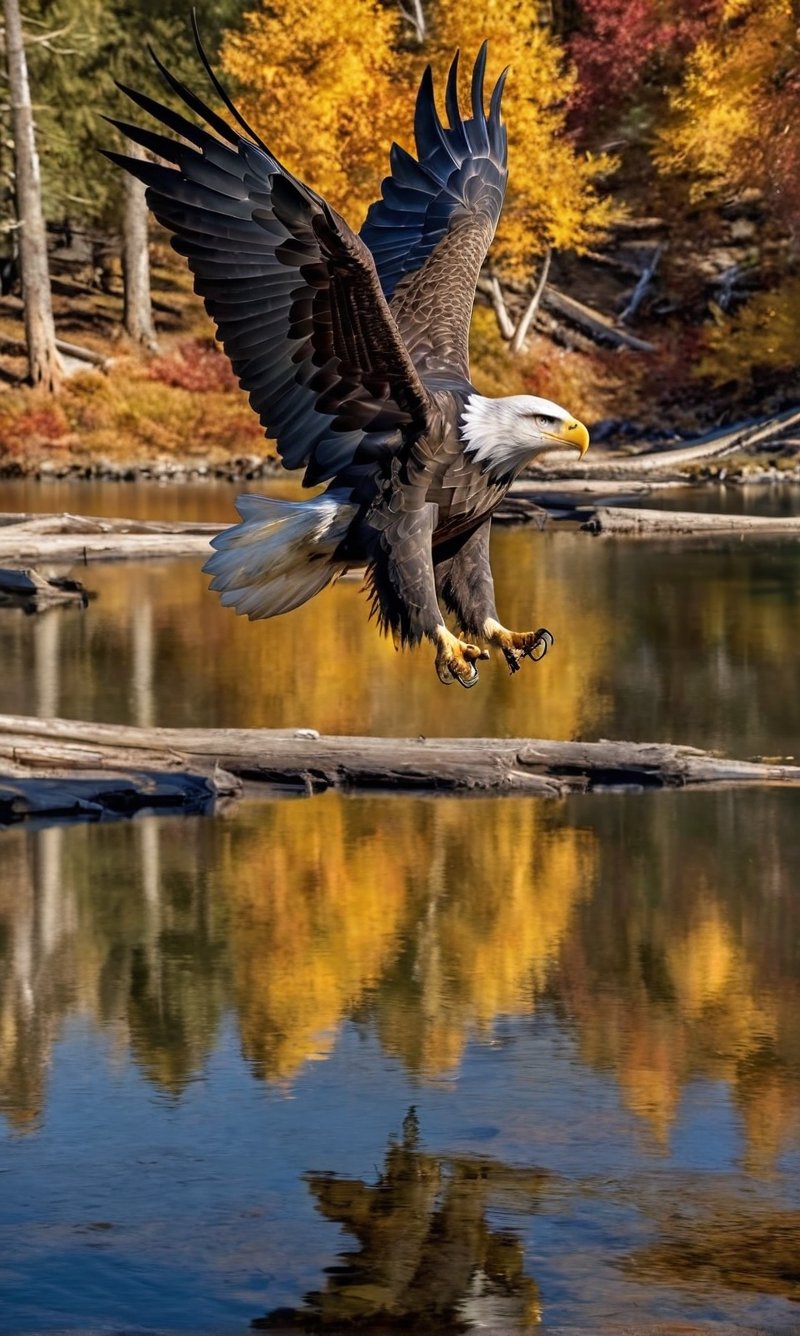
(246, 468)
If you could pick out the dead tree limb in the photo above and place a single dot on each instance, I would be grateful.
(302, 759)
(527, 317)
(624, 520)
(640, 291)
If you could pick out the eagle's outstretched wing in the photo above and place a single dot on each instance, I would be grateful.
(431, 229)
(292, 290)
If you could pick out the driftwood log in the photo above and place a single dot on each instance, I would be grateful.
(672, 464)
(33, 592)
(80, 539)
(119, 768)
(629, 522)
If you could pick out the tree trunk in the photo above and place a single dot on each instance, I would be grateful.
(496, 296)
(138, 310)
(43, 360)
(521, 332)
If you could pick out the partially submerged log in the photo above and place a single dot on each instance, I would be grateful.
(84, 538)
(102, 796)
(33, 592)
(666, 464)
(532, 501)
(302, 759)
(627, 521)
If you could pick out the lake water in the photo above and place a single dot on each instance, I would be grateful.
(458, 1063)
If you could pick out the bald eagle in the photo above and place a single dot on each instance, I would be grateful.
(354, 352)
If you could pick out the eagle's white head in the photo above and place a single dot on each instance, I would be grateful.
(504, 434)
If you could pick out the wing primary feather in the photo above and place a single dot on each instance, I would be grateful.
(497, 94)
(196, 104)
(172, 119)
(428, 129)
(224, 95)
(478, 77)
(158, 144)
(451, 93)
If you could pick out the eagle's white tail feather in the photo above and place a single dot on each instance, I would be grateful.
(281, 554)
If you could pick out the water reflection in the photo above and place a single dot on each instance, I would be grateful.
(733, 1245)
(596, 986)
(662, 932)
(654, 642)
(426, 1253)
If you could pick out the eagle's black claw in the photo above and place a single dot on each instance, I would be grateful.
(468, 682)
(542, 641)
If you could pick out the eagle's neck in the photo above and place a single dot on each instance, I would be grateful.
(489, 429)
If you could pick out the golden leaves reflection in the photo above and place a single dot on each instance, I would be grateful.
(439, 916)
(663, 930)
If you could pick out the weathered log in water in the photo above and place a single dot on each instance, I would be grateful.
(66, 750)
(83, 538)
(33, 592)
(101, 796)
(531, 501)
(626, 521)
(674, 464)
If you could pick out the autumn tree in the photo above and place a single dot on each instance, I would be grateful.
(330, 98)
(628, 52)
(736, 115)
(555, 197)
(325, 90)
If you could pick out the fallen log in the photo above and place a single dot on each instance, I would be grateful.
(302, 759)
(598, 325)
(32, 592)
(627, 521)
(84, 538)
(669, 464)
(528, 501)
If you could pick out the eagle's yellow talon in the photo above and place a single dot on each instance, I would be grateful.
(518, 645)
(455, 659)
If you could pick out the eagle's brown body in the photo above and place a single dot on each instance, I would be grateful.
(354, 351)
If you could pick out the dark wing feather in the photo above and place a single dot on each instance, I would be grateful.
(292, 290)
(431, 229)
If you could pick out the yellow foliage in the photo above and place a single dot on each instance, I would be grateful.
(331, 96)
(731, 106)
(762, 336)
(552, 197)
(324, 90)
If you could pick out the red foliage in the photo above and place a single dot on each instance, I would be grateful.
(194, 364)
(32, 430)
(622, 42)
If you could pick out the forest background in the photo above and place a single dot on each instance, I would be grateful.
(645, 272)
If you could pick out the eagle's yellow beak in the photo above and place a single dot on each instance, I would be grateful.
(574, 433)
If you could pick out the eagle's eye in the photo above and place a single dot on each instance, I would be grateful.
(544, 422)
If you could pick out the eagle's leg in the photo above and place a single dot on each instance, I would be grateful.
(455, 659)
(517, 645)
(404, 588)
(464, 581)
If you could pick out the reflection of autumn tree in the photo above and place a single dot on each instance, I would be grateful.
(426, 1252)
(691, 967)
(441, 915)
(113, 924)
(317, 898)
(37, 964)
(504, 882)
